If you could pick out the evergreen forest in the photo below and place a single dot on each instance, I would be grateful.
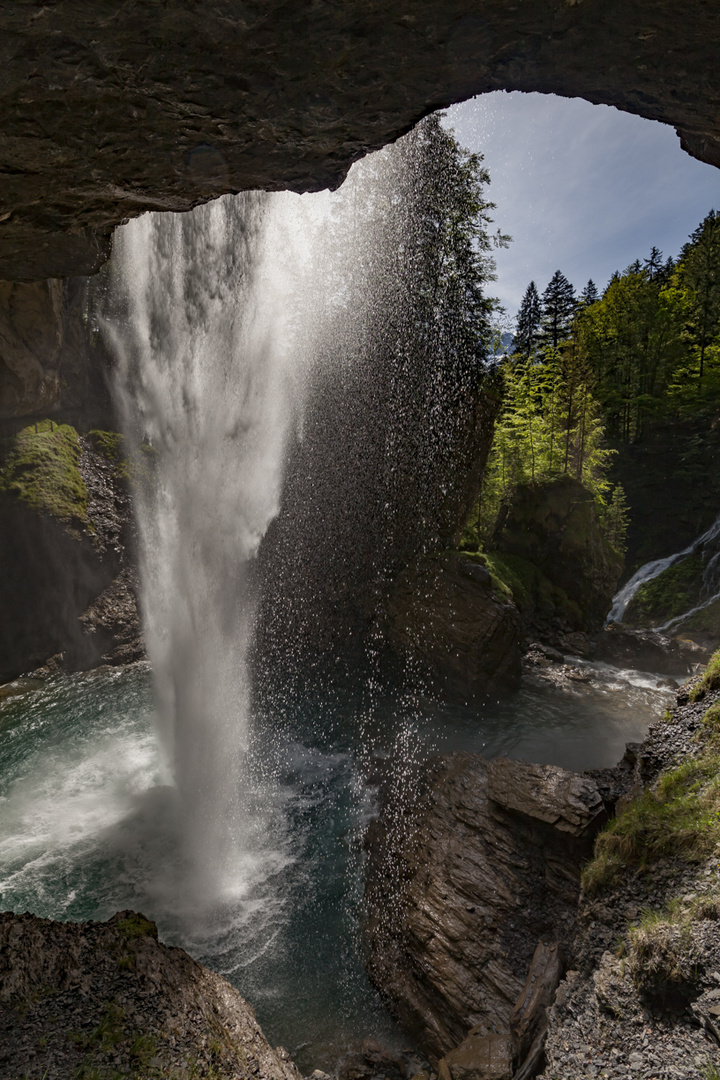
(596, 384)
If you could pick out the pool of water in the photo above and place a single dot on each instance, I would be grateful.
(88, 823)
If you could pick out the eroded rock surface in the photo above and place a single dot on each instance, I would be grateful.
(461, 891)
(108, 110)
(70, 586)
(108, 999)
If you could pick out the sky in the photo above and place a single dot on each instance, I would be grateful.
(582, 188)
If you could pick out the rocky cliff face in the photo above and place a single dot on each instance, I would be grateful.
(106, 999)
(48, 361)
(107, 110)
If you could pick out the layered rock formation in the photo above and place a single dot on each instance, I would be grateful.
(48, 362)
(108, 110)
(106, 999)
(471, 895)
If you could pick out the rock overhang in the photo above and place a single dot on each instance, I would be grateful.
(109, 109)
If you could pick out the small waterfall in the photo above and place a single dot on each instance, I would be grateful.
(653, 569)
(205, 376)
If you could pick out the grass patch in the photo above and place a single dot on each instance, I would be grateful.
(679, 816)
(709, 732)
(39, 467)
(710, 679)
(662, 954)
(671, 593)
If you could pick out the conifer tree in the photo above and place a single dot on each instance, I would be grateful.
(559, 306)
(527, 333)
(589, 295)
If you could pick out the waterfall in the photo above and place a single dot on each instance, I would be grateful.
(265, 334)
(206, 377)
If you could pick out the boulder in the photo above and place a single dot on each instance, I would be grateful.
(107, 999)
(448, 621)
(566, 800)
(481, 1057)
(550, 536)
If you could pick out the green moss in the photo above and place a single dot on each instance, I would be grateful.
(679, 816)
(108, 443)
(534, 591)
(671, 593)
(503, 582)
(39, 467)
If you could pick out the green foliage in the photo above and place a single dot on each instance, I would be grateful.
(679, 816)
(671, 593)
(39, 467)
(550, 426)
(558, 307)
(616, 520)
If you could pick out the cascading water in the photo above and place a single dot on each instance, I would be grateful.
(704, 546)
(205, 376)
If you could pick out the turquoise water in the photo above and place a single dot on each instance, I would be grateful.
(88, 824)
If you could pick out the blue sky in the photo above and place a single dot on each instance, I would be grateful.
(582, 188)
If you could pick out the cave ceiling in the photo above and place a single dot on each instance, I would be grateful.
(108, 109)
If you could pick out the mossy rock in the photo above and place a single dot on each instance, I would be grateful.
(549, 536)
(673, 592)
(40, 467)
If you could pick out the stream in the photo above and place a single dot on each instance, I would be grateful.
(89, 823)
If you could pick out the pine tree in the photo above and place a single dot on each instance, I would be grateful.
(654, 266)
(559, 306)
(589, 295)
(527, 333)
(617, 519)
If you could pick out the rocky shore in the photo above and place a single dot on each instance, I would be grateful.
(510, 951)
